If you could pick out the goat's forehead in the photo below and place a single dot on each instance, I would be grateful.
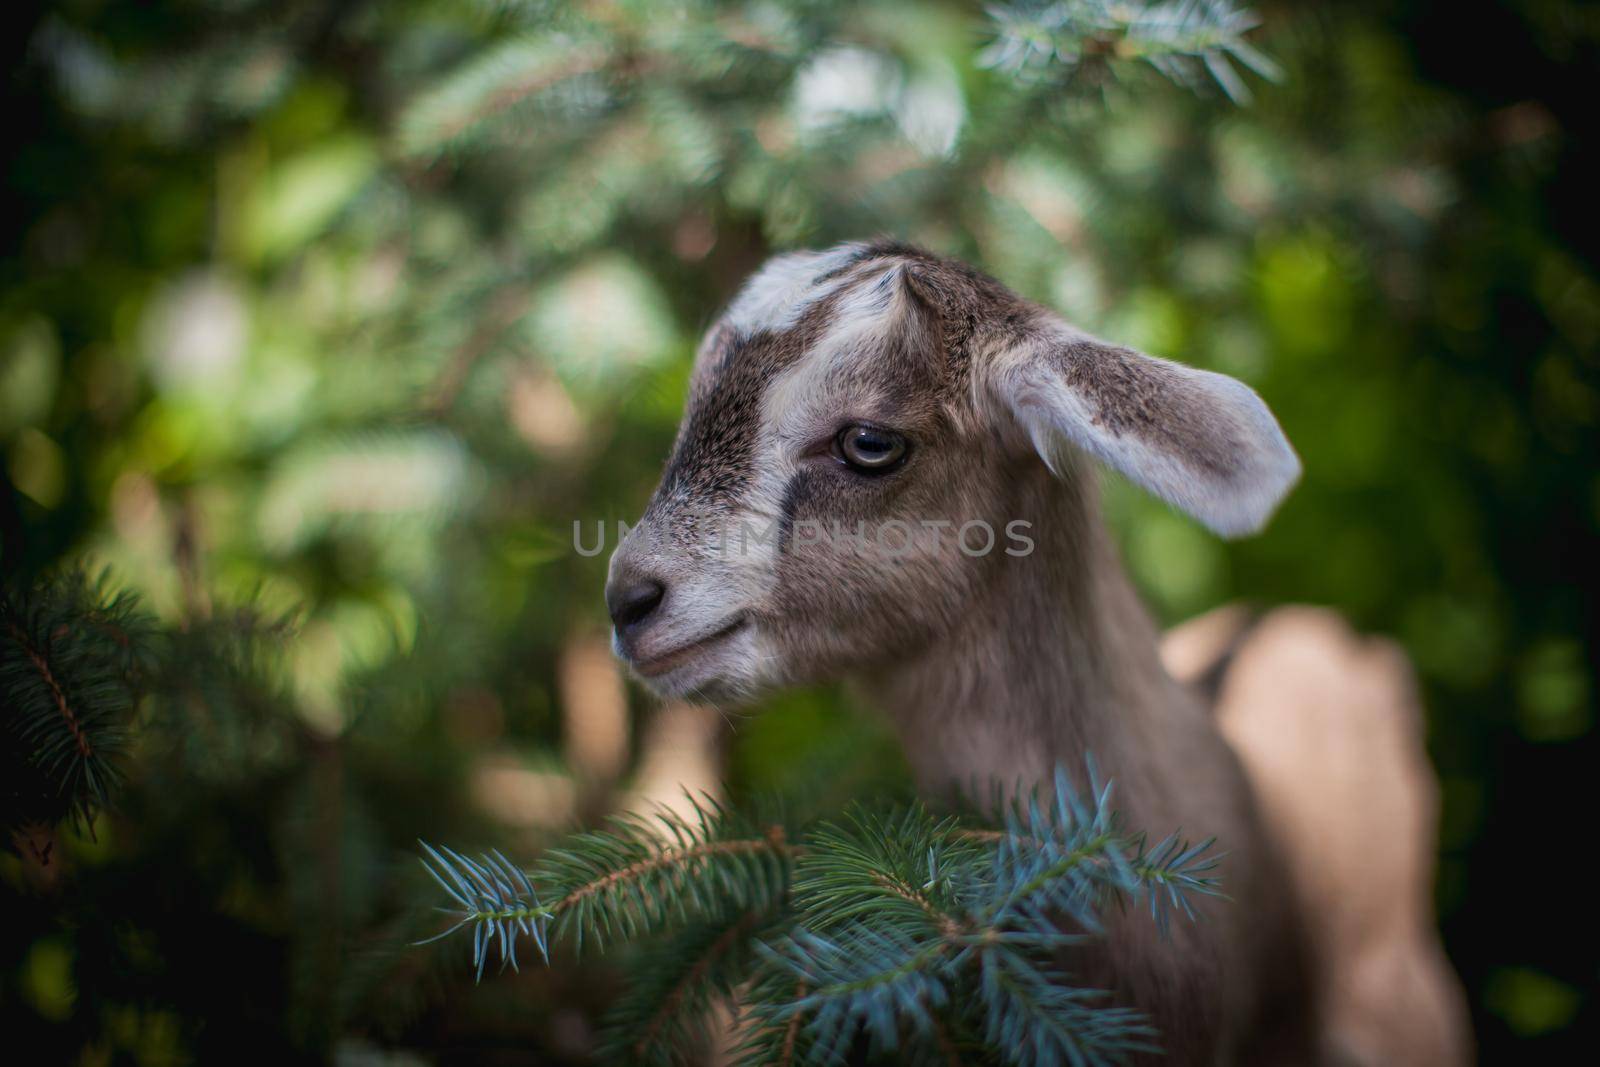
(778, 294)
(853, 326)
(803, 305)
(833, 326)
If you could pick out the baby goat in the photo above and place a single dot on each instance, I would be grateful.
(882, 475)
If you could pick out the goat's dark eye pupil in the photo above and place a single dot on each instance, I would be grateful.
(866, 448)
(867, 441)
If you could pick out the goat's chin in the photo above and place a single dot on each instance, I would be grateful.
(726, 676)
(723, 689)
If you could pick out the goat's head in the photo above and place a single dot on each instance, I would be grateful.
(848, 415)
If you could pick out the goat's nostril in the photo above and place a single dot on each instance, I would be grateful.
(633, 603)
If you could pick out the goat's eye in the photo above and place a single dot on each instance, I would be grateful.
(869, 449)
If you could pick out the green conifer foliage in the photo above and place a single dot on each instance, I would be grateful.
(73, 660)
(898, 932)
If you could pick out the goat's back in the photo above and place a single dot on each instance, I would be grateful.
(1329, 728)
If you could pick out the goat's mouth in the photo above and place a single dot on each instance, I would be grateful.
(657, 665)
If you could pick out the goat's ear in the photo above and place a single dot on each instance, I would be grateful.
(1201, 441)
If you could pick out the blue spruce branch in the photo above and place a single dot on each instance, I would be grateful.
(902, 933)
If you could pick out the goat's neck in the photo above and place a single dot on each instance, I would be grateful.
(1057, 660)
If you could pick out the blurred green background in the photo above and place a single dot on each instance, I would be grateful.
(347, 311)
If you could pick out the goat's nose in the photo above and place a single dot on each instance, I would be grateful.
(630, 603)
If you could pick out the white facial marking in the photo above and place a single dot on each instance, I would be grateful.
(780, 292)
(797, 405)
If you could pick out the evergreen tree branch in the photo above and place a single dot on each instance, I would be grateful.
(1172, 872)
(910, 867)
(629, 880)
(512, 74)
(666, 1015)
(791, 1029)
(72, 665)
(880, 928)
(682, 990)
(861, 978)
(618, 884)
(1040, 1020)
(673, 860)
(1184, 40)
(40, 664)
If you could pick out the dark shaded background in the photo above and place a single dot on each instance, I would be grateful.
(350, 310)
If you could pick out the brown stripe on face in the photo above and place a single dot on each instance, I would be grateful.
(712, 459)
